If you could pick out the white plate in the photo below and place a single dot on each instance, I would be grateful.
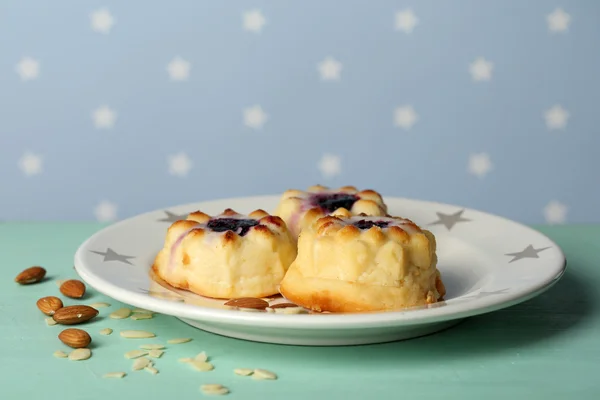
(487, 263)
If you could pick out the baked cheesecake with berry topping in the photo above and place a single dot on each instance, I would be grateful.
(299, 209)
(359, 263)
(226, 256)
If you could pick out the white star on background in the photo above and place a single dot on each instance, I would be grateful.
(105, 211)
(555, 212)
(179, 164)
(330, 69)
(481, 69)
(28, 68)
(330, 165)
(558, 21)
(104, 117)
(405, 117)
(255, 117)
(101, 21)
(406, 21)
(556, 117)
(179, 69)
(31, 163)
(254, 21)
(480, 164)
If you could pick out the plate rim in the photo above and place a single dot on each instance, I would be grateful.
(303, 321)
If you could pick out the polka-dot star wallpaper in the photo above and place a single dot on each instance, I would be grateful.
(110, 109)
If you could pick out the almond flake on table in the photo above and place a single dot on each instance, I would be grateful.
(139, 316)
(140, 363)
(136, 354)
(80, 354)
(60, 354)
(201, 357)
(151, 369)
(50, 321)
(262, 374)
(99, 305)
(132, 334)
(178, 340)
(121, 313)
(243, 371)
(106, 331)
(201, 366)
(214, 388)
(114, 375)
(155, 353)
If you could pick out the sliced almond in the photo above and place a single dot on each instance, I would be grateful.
(114, 375)
(201, 366)
(201, 357)
(106, 331)
(60, 354)
(178, 340)
(153, 346)
(155, 353)
(263, 374)
(152, 370)
(213, 388)
(73, 288)
(139, 316)
(99, 305)
(283, 305)
(50, 321)
(49, 304)
(121, 313)
(185, 360)
(290, 310)
(136, 353)
(80, 354)
(141, 310)
(140, 363)
(30, 275)
(248, 302)
(131, 334)
(243, 371)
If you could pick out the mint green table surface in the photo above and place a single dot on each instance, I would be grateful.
(547, 348)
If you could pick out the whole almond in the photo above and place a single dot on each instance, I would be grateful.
(73, 288)
(49, 304)
(72, 315)
(31, 275)
(248, 302)
(75, 338)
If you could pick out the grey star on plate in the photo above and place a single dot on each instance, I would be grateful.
(171, 217)
(449, 220)
(528, 252)
(111, 255)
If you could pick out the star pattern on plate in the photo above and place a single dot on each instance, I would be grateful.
(255, 117)
(330, 165)
(172, 217)
(28, 69)
(101, 21)
(481, 69)
(31, 164)
(104, 117)
(253, 21)
(558, 21)
(556, 117)
(528, 252)
(111, 255)
(405, 117)
(179, 164)
(179, 69)
(406, 21)
(330, 69)
(449, 220)
(480, 164)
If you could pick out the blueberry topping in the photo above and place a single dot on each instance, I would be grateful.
(231, 224)
(364, 224)
(329, 202)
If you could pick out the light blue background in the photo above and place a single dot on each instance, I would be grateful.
(353, 117)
